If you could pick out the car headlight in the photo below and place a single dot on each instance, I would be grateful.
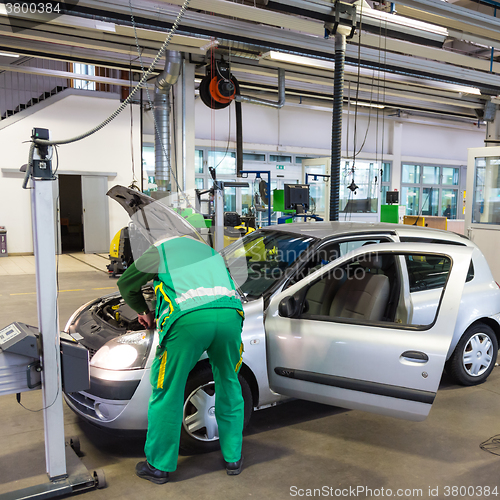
(127, 352)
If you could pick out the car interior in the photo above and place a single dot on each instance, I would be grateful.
(367, 289)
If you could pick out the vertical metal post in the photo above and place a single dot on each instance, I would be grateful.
(338, 97)
(184, 145)
(46, 286)
(219, 216)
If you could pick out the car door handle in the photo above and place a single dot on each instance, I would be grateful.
(415, 356)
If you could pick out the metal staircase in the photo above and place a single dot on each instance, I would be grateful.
(34, 100)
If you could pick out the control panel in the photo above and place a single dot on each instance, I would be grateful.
(19, 338)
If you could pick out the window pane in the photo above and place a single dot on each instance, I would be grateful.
(148, 159)
(449, 203)
(280, 158)
(410, 197)
(223, 162)
(427, 272)
(431, 175)
(84, 69)
(386, 173)
(254, 157)
(411, 174)
(339, 295)
(246, 200)
(267, 258)
(298, 159)
(199, 181)
(230, 199)
(430, 201)
(450, 176)
(366, 198)
(383, 193)
(198, 161)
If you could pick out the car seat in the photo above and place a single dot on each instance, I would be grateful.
(364, 297)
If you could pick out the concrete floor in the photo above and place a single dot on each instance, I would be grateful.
(295, 445)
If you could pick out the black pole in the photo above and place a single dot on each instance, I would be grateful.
(142, 141)
(338, 96)
(239, 131)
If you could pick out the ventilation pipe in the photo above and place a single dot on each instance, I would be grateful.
(161, 110)
(338, 97)
(265, 102)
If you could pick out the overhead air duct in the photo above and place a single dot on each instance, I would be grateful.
(161, 110)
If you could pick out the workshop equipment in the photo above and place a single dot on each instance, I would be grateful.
(120, 253)
(23, 346)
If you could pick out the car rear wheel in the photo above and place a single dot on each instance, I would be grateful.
(200, 433)
(475, 355)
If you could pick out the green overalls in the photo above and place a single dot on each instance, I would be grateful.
(197, 310)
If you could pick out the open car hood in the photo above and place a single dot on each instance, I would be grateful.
(155, 220)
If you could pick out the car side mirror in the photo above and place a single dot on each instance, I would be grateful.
(288, 307)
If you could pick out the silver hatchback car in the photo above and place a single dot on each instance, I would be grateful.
(357, 315)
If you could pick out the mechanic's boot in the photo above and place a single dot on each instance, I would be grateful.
(147, 471)
(234, 468)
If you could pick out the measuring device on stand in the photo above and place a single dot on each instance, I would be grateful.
(42, 357)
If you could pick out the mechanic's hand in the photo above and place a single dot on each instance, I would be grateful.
(147, 320)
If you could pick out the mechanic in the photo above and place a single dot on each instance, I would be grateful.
(197, 310)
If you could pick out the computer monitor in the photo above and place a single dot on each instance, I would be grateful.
(391, 197)
(297, 197)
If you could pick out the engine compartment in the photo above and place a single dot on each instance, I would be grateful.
(117, 314)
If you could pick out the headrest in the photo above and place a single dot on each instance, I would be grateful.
(372, 261)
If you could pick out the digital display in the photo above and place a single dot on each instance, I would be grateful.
(7, 333)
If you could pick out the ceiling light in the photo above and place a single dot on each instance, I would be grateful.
(311, 62)
(367, 104)
(364, 9)
(274, 55)
(404, 21)
(4, 54)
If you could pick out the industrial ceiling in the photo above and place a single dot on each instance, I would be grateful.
(444, 63)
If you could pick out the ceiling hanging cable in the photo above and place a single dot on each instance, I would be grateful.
(150, 101)
(352, 187)
(133, 184)
(124, 104)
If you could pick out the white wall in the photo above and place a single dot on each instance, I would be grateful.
(109, 150)
(291, 129)
(303, 130)
(440, 141)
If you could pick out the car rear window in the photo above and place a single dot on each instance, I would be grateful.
(430, 272)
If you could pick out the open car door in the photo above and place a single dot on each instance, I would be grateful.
(343, 335)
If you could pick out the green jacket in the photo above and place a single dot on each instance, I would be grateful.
(188, 275)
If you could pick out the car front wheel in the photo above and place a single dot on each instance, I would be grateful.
(475, 355)
(200, 433)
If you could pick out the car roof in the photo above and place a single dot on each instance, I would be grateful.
(322, 230)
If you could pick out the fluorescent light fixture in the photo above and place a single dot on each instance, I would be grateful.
(4, 54)
(363, 9)
(311, 62)
(274, 55)
(405, 21)
(367, 104)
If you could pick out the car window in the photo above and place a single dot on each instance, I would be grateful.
(331, 251)
(368, 290)
(430, 273)
(261, 258)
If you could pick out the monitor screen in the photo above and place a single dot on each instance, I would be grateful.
(296, 194)
(391, 197)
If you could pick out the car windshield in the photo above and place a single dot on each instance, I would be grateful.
(262, 258)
